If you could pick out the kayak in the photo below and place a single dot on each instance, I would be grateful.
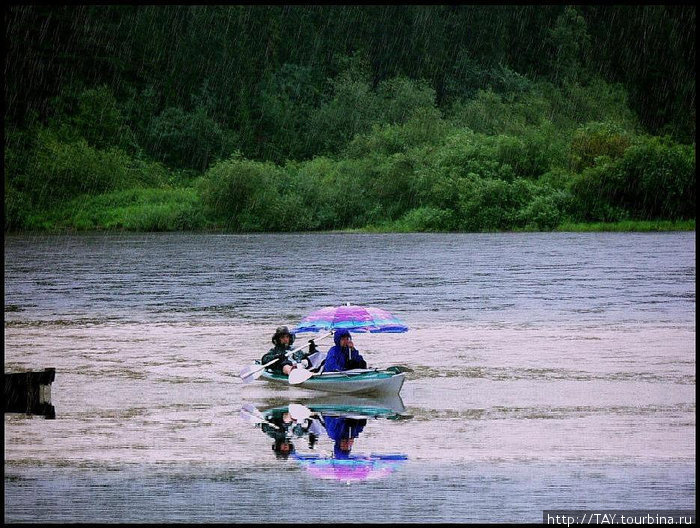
(356, 381)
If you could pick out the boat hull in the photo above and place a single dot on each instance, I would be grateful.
(348, 382)
(356, 406)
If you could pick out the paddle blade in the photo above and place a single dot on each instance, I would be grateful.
(299, 412)
(251, 414)
(299, 375)
(251, 373)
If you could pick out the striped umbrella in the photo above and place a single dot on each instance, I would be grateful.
(350, 317)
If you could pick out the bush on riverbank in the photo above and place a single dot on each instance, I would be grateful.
(535, 158)
(653, 179)
(130, 210)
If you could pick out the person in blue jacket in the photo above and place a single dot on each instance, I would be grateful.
(343, 431)
(344, 355)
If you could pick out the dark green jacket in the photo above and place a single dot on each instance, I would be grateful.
(280, 351)
(275, 426)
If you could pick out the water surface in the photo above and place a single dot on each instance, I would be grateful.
(549, 371)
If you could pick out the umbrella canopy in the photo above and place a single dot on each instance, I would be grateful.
(351, 469)
(350, 317)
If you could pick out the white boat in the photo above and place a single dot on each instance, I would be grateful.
(356, 381)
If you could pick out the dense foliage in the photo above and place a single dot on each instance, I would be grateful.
(275, 118)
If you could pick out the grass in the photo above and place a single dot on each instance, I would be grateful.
(629, 225)
(640, 226)
(181, 209)
(131, 210)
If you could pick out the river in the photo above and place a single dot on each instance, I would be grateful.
(548, 371)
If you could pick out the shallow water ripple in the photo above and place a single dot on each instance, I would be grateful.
(547, 371)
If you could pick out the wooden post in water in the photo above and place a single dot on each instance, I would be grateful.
(29, 392)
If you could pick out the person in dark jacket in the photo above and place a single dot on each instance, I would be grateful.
(344, 355)
(283, 340)
(283, 428)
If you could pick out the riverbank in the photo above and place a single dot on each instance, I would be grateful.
(631, 226)
(411, 192)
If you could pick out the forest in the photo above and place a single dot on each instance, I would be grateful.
(375, 118)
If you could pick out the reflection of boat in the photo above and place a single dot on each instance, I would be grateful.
(344, 417)
(357, 381)
(351, 406)
(340, 417)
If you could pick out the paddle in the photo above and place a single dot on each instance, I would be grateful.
(299, 412)
(253, 372)
(298, 375)
(249, 413)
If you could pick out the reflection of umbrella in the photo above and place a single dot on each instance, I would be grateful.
(356, 318)
(355, 468)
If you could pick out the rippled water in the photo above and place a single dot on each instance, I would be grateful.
(549, 371)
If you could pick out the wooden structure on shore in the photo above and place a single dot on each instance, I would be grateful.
(29, 392)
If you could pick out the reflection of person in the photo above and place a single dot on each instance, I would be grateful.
(344, 355)
(311, 426)
(283, 340)
(277, 427)
(282, 428)
(343, 431)
(283, 448)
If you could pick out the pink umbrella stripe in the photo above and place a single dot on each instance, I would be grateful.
(357, 318)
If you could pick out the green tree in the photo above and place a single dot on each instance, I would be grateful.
(187, 139)
(570, 45)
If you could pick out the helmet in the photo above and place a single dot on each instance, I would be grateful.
(282, 330)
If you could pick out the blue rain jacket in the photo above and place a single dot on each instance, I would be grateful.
(339, 358)
(340, 427)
